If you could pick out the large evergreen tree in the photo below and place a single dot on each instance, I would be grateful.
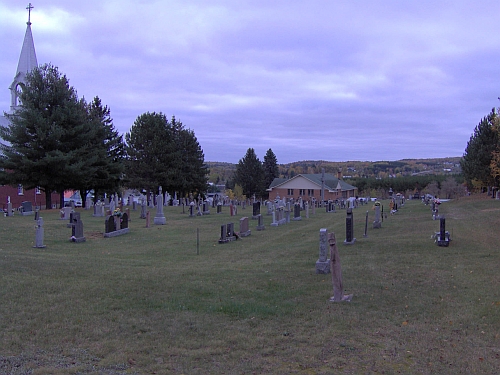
(271, 170)
(105, 158)
(44, 140)
(250, 174)
(162, 153)
(476, 161)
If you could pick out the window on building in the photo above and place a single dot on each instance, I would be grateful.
(20, 190)
(302, 192)
(310, 192)
(290, 191)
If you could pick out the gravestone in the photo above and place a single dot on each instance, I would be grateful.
(377, 223)
(260, 222)
(109, 224)
(76, 228)
(39, 234)
(349, 228)
(366, 225)
(9, 209)
(223, 231)
(230, 231)
(296, 212)
(124, 221)
(143, 209)
(65, 212)
(244, 230)
(98, 210)
(191, 209)
(307, 209)
(256, 210)
(206, 211)
(274, 222)
(219, 208)
(72, 217)
(443, 236)
(27, 208)
(338, 287)
(148, 219)
(160, 217)
(323, 264)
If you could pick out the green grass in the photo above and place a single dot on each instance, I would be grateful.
(146, 303)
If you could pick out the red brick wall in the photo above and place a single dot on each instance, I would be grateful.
(36, 200)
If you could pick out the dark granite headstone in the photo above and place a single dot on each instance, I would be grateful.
(349, 228)
(109, 224)
(124, 221)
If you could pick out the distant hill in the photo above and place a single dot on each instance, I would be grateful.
(221, 172)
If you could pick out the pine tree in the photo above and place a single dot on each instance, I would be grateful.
(250, 174)
(162, 153)
(44, 140)
(271, 170)
(477, 159)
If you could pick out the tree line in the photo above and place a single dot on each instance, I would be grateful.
(481, 160)
(253, 177)
(57, 141)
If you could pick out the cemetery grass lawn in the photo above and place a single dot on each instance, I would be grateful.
(146, 303)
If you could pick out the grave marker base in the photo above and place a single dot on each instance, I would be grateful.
(345, 298)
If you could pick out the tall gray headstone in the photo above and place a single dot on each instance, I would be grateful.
(323, 264)
(160, 217)
(39, 234)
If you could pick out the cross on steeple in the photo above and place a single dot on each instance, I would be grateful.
(29, 7)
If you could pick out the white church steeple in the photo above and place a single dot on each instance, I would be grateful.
(27, 61)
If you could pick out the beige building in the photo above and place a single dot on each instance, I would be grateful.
(310, 186)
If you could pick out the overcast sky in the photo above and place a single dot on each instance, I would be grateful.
(312, 80)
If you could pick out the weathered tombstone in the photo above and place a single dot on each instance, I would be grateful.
(338, 287)
(287, 217)
(443, 236)
(27, 208)
(9, 209)
(296, 212)
(307, 209)
(134, 205)
(274, 223)
(112, 206)
(366, 225)
(148, 219)
(73, 216)
(206, 205)
(65, 212)
(244, 230)
(124, 221)
(377, 223)
(223, 231)
(109, 224)
(256, 210)
(323, 264)
(219, 208)
(349, 228)
(39, 234)
(77, 228)
(160, 217)
(191, 209)
(143, 209)
(260, 222)
(230, 231)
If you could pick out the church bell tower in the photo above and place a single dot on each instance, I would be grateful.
(27, 61)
